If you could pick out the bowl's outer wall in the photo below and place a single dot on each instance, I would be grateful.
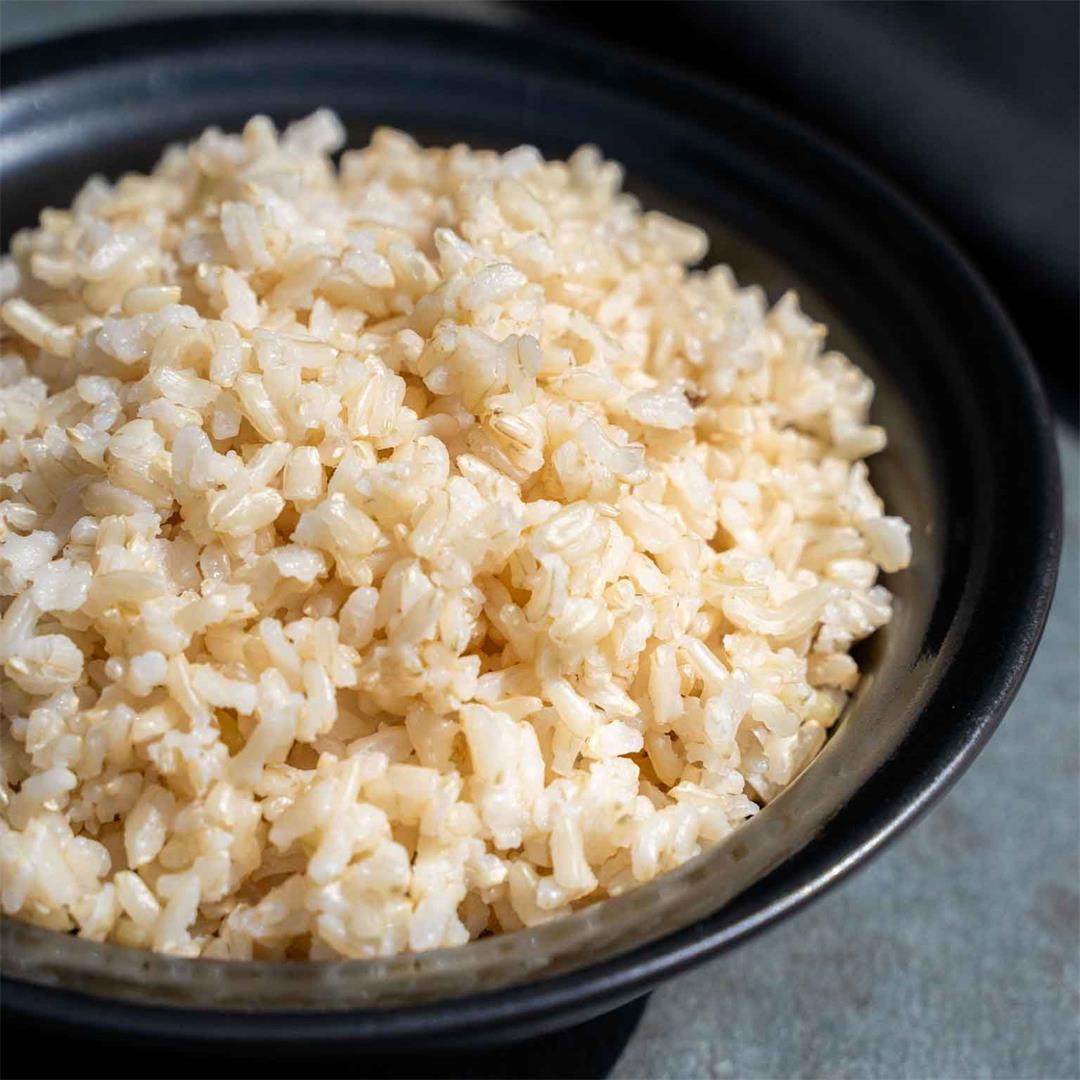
(971, 465)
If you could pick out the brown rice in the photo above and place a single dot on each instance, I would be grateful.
(403, 552)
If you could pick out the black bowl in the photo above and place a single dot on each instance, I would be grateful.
(971, 464)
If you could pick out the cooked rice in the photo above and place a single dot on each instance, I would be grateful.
(404, 552)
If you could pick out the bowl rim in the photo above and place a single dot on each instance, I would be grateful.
(545, 1003)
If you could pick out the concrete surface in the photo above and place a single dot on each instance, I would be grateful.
(956, 954)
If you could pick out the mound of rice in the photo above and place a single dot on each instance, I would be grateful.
(404, 552)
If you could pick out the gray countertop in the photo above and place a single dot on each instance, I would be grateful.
(954, 954)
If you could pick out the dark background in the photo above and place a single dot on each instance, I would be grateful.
(969, 107)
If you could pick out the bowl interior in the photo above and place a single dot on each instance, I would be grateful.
(784, 212)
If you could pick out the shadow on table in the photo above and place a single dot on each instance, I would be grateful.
(32, 1049)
